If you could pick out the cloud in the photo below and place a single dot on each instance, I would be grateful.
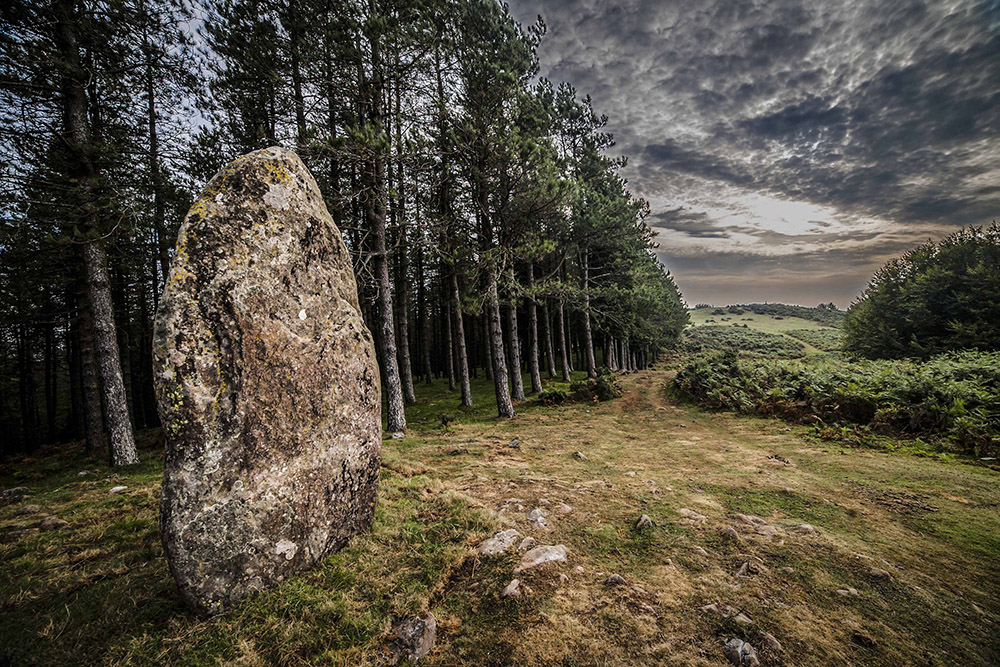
(881, 121)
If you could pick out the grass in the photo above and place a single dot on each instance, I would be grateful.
(98, 591)
(814, 338)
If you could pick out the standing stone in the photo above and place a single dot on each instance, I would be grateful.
(266, 383)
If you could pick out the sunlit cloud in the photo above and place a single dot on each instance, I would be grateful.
(804, 141)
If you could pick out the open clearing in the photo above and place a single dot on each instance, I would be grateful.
(916, 539)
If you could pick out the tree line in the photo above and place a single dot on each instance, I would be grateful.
(489, 226)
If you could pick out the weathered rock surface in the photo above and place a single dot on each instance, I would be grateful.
(499, 543)
(540, 555)
(267, 386)
(512, 590)
(413, 638)
(691, 514)
(52, 523)
(739, 652)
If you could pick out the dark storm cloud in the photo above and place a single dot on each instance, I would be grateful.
(884, 112)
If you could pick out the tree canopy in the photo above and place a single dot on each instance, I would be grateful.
(937, 297)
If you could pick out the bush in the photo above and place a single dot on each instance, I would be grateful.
(954, 398)
(718, 311)
(827, 314)
(737, 338)
(553, 396)
(602, 388)
(827, 340)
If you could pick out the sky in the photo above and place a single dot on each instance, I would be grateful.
(789, 148)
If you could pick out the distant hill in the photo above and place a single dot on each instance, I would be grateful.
(827, 314)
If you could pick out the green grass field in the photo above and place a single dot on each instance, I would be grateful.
(769, 324)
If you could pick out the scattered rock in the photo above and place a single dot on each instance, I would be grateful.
(787, 570)
(699, 550)
(615, 580)
(536, 517)
(631, 473)
(540, 555)
(772, 644)
(564, 508)
(52, 523)
(14, 492)
(742, 619)
(499, 543)
(804, 529)
(881, 574)
(751, 520)
(579, 569)
(711, 609)
(28, 509)
(729, 533)
(766, 531)
(527, 543)
(563, 578)
(743, 570)
(398, 435)
(740, 653)
(644, 521)
(413, 638)
(691, 514)
(512, 590)
(84, 473)
(118, 489)
(272, 420)
(847, 592)
(580, 455)
(515, 444)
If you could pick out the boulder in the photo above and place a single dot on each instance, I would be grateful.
(267, 386)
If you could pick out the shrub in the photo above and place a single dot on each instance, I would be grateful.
(742, 339)
(602, 388)
(953, 397)
(554, 396)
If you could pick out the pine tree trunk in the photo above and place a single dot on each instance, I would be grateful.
(92, 411)
(450, 355)
(425, 320)
(516, 379)
(402, 259)
(375, 214)
(550, 353)
(50, 383)
(26, 388)
(461, 354)
(588, 336)
(74, 421)
(536, 375)
(563, 349)
(505, 408)
(121, 444)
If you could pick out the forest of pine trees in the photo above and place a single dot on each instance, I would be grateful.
(490, 229)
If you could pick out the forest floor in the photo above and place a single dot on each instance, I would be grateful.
(912, 543)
